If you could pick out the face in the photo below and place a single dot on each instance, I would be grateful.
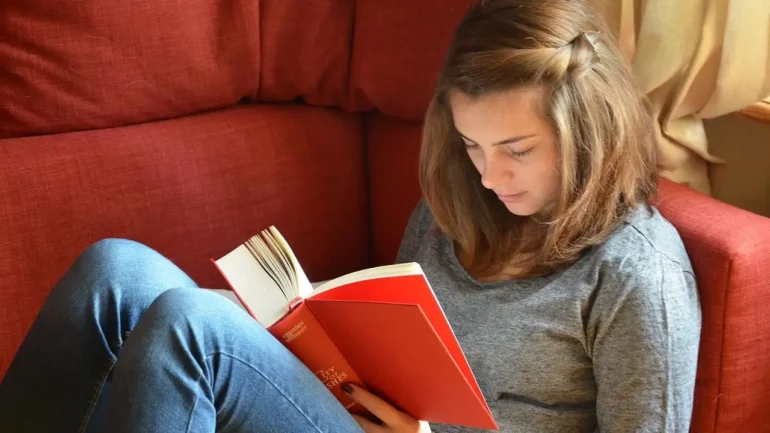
(512, 145)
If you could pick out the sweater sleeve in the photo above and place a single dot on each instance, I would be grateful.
(643, 333)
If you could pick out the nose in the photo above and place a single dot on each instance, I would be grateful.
(496, 172)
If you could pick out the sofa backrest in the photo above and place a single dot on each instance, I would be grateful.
(87, 65)
(398, 49)
(70, 66)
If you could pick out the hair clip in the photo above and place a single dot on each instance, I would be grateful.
(593, 39)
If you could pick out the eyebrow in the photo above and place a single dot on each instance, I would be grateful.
(510, 140)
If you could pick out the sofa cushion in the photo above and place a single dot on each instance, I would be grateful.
(398, 49)
(67, 66)
(71, 66)
(192, 188)
(305, 50)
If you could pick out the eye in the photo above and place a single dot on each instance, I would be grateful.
(469, 145)
(521, 154)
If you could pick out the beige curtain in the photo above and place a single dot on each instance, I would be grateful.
(695, 59)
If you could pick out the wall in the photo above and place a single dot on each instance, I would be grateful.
(744, 180)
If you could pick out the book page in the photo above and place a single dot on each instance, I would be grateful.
(271, 263)
(369, 274)
(289, 273)
(255, 288)
(304, 288)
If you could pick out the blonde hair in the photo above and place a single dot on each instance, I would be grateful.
(605, 134)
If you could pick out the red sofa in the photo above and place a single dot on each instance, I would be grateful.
(189, 126)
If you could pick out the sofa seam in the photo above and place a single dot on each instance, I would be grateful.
(722, 345)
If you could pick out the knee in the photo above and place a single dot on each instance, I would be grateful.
(126, 261)
(112, 265)
(112, 253)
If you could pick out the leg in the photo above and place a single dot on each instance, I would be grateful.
(56, 377)
(198, 363)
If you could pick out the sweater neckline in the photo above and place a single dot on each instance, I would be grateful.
(454, 262)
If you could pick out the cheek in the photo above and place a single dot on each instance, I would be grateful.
(551, 179)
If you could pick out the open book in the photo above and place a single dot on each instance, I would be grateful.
(381, 328)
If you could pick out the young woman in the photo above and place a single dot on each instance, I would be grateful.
(572, 297)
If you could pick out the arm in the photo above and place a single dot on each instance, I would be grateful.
(645, 331)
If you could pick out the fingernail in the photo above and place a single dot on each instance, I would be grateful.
(347, 388)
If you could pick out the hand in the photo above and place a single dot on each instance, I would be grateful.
(393, 420)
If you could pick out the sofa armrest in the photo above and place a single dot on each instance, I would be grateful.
(730, 252)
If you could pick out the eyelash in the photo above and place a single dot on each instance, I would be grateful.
(510, 152)
(519, 154)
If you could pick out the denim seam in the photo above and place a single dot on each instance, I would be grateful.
(192, 409)
(289, 399)
(95, 398)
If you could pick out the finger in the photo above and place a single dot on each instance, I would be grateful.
(368, 426)
(377, 406)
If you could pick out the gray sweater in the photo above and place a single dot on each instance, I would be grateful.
(609, 343)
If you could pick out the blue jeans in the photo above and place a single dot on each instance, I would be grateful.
(175, 358)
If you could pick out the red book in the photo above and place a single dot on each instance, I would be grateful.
(381, 328)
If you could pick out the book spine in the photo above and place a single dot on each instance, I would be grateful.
(304, 336)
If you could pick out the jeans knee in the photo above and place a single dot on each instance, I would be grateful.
(130, 262)
(119, 265)
(109, 253)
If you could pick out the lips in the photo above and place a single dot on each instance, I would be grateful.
(510, 197)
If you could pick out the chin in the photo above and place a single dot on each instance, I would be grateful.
(522, 209)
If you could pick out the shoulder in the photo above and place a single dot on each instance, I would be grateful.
(644, 239)
(422, 212)
(421, 220)
(419, 226)
(644, 283)
(644, 259)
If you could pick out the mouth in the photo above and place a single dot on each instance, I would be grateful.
(508, 198)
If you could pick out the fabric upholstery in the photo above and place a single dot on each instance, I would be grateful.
(85, 65)
(394, 189)
(397, 53)
(305, 50)
(730, 252)
(70, 66)
(192, 188)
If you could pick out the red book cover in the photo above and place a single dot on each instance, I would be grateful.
(301, 333)
(393, 332)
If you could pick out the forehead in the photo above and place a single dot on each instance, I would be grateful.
(497, 112)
